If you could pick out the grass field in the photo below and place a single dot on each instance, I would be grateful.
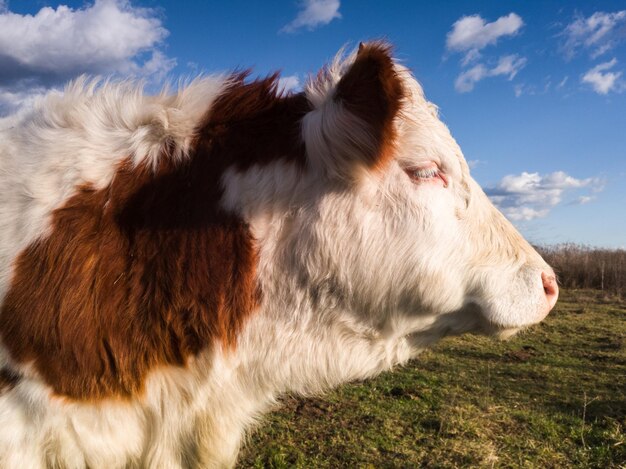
(554, 396)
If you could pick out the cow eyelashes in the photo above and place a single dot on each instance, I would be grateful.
(430, 173)
(425, 173)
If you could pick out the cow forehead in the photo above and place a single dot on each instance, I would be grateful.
(419, 123)
(424, 138)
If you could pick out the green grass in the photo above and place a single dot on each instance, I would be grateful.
(554, 396)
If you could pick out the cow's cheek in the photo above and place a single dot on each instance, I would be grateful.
(438, 256)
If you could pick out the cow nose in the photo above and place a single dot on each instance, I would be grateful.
(550, 288)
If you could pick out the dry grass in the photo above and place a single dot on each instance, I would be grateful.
(584, 267)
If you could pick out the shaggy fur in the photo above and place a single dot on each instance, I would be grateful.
(170, 265)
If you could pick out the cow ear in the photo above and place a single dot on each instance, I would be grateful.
(355, 104)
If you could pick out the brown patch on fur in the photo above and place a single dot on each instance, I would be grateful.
(250, 117)
(149, 271)
(372, 91)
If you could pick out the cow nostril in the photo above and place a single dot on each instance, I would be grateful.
(550, 288)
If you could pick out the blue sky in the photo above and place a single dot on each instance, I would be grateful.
(534, 91)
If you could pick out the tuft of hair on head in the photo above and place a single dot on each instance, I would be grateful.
(355, 102)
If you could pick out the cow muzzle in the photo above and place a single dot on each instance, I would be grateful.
(550, 288)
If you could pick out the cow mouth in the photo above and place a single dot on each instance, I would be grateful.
(488, 327)
(502, 331)
(504, 323)
(470, 319)
(499, 331)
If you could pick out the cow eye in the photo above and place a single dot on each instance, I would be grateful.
(426, 174)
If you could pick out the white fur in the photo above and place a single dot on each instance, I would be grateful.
(358, 273)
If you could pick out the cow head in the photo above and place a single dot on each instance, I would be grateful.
(182, 274)
(383, 228)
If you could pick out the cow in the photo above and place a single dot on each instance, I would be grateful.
(171, 264)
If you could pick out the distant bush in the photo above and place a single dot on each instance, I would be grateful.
(579, 266)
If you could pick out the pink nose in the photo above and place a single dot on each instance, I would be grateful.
(550, 288)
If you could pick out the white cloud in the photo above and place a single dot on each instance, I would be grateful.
(313, 13)
(598, 33)
(470, 34)
(288, 83)
(508, 65)
(524, 213)
(465, 81)
(531, 195)
(12, 100)
(584, 199)
(602, 80)
(562, 82)
(54, 45)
